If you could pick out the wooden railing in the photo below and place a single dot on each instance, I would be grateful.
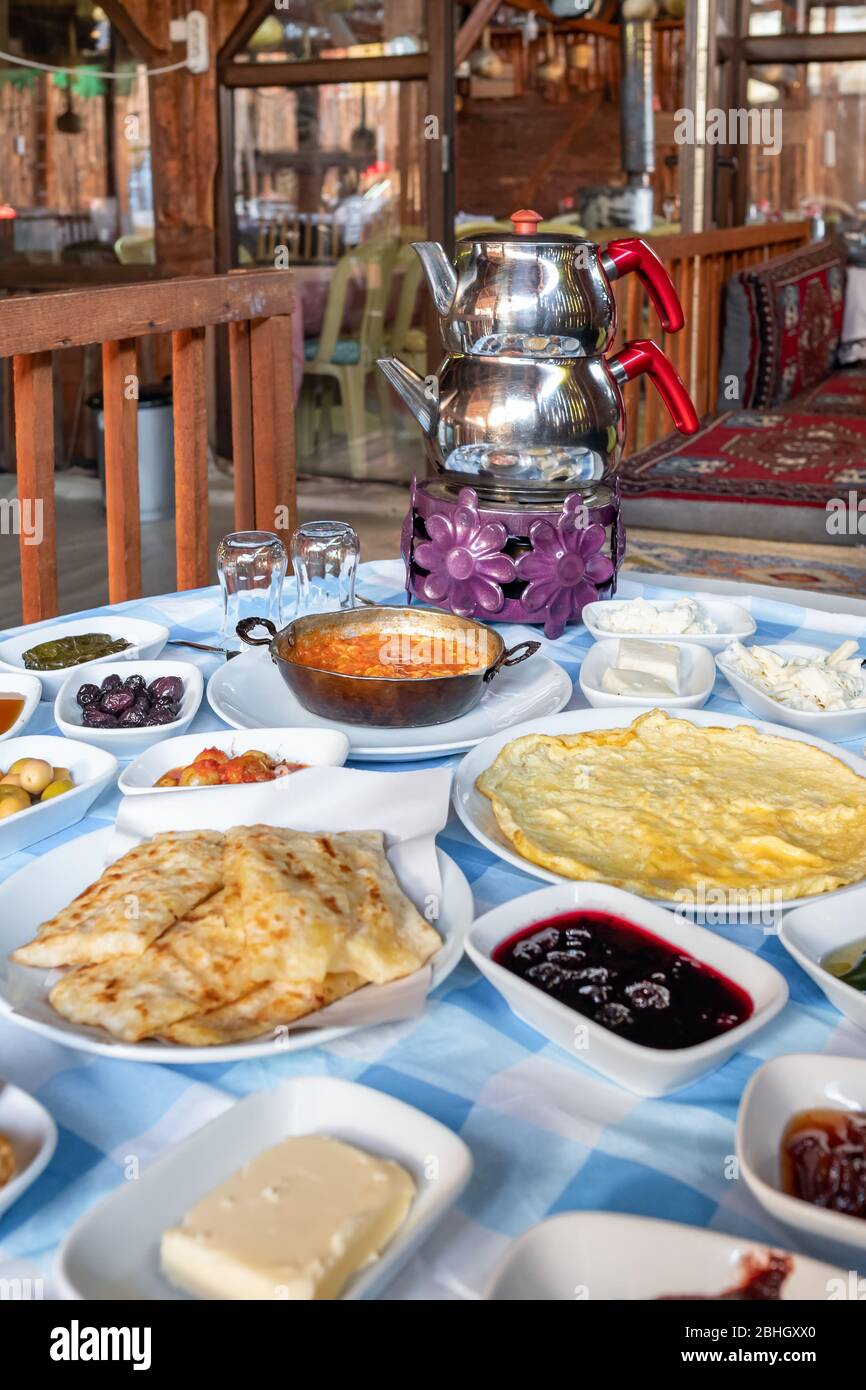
(700, 266)
(256, 305)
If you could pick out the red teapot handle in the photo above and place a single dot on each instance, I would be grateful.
(632, 254)
(645, 357)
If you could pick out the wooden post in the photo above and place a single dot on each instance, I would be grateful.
(242, 426)
(122, 505)
(273, 423)
(34, 444)
(190, 457)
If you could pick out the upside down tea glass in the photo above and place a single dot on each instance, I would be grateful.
(251, 566)
(325, 561)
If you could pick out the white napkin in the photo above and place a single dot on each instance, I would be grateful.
(409, 807)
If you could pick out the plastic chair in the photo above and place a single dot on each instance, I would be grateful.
(347, 360)
(483, 226)
(566, 226)
(401, 338)
(136, 248)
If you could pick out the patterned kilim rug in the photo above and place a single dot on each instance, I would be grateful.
(833, 569)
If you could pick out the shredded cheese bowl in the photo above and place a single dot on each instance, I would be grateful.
(394, 667)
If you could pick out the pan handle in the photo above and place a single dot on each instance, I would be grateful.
(509, 657)
(246, 625)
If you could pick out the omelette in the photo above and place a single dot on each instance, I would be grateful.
(666, 808)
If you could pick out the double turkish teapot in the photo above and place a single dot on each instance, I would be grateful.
(525, 402)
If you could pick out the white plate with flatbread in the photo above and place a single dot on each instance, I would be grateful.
(476, 809)
(46, 886)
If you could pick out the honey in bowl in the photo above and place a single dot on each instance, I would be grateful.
(10, 708)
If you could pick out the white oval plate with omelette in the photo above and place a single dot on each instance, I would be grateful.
(476, 812)
(46, 885)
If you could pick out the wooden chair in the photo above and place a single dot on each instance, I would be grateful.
(257, 306)
(348, 360)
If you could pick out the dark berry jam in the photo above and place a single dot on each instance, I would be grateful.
(761, 1283)
(626, 979)
(824, 1160)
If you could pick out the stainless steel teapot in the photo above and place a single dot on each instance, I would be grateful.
(525, 293)
(537, 426)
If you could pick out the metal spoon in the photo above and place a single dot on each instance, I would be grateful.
(202, 647)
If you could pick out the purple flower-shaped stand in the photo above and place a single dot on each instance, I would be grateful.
(525, 566)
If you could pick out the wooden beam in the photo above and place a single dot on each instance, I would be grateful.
(190, 457)
(127, 25)
(794, 48)
(73, 318)
(122, 506)
(401, 67)
(34, 451)
(244, 29)
(472, 28)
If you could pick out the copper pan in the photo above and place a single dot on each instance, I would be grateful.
(396, 702)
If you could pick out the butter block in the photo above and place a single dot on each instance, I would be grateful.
(659, 659)
(294, 1223)
(617, 682)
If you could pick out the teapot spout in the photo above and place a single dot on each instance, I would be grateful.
(413, 389)
(441, 275)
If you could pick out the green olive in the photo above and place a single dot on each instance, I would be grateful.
(56, 789)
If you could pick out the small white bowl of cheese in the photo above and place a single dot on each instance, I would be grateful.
(813, 689)
(700, 621)
(630, 671)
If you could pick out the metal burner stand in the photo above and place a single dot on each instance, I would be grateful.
(513, 563)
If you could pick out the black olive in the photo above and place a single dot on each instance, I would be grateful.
(111, 683)
(166, 687)
(134, 718)
(96, 718)
(165, 705)
(161, 716)
(88, 695)
(116, 701)
(136, 684)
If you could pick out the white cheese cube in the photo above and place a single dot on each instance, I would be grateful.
(659, 659)
(638, 683)
(295, 1223)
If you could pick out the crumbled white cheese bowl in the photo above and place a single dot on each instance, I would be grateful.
(699, 621)
(809, 688)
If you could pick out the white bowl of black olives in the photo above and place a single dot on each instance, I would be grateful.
(126, 707)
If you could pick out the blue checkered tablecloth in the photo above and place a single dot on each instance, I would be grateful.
(547, 1133)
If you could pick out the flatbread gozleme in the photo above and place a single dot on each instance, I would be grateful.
(226, 932)
(136, 899)
(318, 904)
(198, 964)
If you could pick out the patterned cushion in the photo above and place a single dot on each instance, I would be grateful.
(803, 453)
(347, 351)
(782, 326)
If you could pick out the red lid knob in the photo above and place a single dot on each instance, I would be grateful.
(526, 221)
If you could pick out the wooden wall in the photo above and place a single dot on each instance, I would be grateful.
(546, 143)
(184, 128)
